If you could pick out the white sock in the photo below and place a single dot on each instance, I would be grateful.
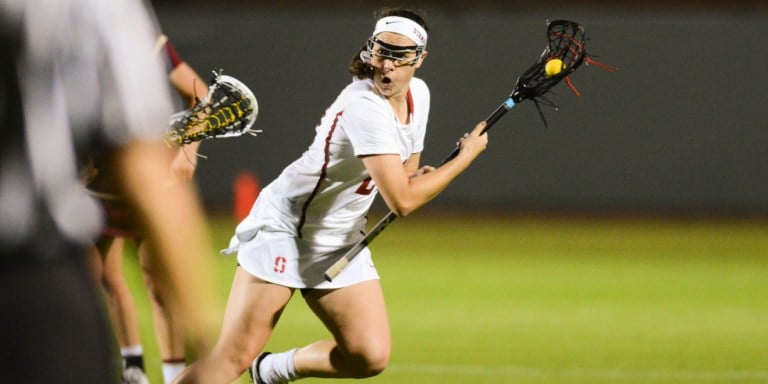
(171, 369)
(278, 368)
(132, 350)
(133, 355)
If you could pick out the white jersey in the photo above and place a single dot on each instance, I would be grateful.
(323, 197)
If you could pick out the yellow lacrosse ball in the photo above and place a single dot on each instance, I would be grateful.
(553, 67)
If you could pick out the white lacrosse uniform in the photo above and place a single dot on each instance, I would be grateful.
(316, 209)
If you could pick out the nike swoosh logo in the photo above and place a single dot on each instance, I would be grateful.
(391, 22)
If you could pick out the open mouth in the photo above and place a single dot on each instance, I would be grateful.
(386, 80)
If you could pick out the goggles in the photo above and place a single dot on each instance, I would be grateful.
(377, 51)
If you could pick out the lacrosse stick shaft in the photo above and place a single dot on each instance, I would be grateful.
(340, 264)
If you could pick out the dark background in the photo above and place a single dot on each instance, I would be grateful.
(678, 130)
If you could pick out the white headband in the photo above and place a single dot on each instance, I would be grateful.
(403, 26)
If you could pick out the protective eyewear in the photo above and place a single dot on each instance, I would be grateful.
(377, 51)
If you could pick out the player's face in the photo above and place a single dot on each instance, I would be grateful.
(395, 60)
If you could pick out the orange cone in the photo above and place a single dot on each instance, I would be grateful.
(246, 189)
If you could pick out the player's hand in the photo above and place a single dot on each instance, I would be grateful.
(474, 142)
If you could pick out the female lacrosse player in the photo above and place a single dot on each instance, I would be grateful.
(369, 139)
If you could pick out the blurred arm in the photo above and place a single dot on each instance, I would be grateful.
(190, 87)
(176, 229)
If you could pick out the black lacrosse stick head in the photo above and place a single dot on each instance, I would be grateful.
(565, 41)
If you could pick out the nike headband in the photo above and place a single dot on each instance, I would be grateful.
(403, 26)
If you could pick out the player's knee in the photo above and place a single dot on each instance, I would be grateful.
(375, 364)
(370, 361)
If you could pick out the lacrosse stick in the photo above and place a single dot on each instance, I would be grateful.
(566, 40)
(228, 110)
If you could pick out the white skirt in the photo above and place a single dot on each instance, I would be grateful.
(283, 259)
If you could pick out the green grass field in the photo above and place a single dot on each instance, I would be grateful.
(478, 299)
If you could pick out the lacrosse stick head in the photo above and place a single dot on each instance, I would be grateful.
(228, 110)
(565, 42)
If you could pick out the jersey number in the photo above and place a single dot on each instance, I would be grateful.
(366, 187)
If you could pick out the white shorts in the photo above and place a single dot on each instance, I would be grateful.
(280, 258)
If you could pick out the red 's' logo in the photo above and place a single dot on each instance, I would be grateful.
(280, 264)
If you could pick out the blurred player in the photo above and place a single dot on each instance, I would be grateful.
(369, 139)
(107, 254)
(80, 76)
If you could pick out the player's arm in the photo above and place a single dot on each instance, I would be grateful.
(405, 191)
(412, 166)
(174, 222)
(187, 83)
(190, 86)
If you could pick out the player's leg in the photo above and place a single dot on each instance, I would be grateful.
(169, 328)
(356, 316)
(120, 304)
(253, 309)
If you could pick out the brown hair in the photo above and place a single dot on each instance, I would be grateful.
(361, 70)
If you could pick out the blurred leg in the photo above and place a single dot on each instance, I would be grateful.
(169, 328)
(106, 257)
(119, 298)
